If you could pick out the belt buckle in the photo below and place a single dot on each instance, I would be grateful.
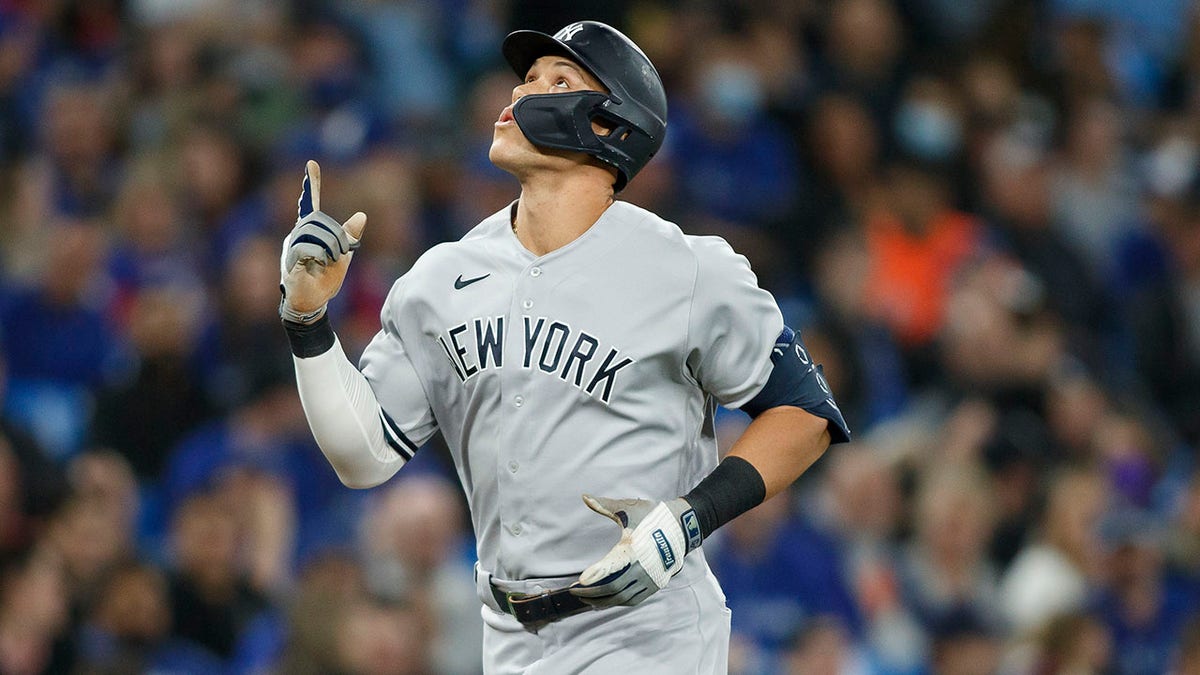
(533, 625)
(508, 598)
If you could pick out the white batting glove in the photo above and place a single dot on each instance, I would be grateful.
(316, 254)
(655, 536)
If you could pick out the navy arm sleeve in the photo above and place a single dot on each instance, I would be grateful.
(796, 381)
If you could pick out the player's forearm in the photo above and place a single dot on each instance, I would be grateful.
(781, 443)
(778, 446)
(343, 414)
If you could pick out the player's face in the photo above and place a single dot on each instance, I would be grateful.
(513, 152)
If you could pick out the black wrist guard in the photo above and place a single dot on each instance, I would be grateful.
(733, 488)
(310, 339)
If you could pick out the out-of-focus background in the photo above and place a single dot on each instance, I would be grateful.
(984, 216)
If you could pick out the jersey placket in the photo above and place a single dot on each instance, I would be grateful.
(514, 462)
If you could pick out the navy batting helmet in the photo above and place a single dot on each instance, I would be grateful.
(634, 109)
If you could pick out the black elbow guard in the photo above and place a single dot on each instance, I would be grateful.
(796, 381)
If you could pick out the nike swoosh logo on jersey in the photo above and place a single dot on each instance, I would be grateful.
(459, 284)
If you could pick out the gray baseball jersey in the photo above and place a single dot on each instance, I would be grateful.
(590, 369)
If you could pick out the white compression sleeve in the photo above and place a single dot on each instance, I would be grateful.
(344, 415)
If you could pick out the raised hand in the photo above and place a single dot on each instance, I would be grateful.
(316, 254)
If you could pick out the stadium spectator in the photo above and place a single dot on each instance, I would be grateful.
(1055, 573)
(778, 574)
(129, 628)
(34, 618)
(1143, 608)
(1072, 642)
(946, 570)
(60, 343)
(414, 551)
(212, 599)
(162, 387)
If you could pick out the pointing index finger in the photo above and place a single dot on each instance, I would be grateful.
(310, 194)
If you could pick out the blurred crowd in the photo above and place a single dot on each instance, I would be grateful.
(984, 217)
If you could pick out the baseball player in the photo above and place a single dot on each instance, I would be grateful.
(570, 345)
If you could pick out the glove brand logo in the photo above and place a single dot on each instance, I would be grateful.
(664, 549)
(691, 528)
(569, 32)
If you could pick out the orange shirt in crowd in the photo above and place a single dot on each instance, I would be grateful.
(910, 273)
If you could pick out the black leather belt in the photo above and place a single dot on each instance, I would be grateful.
(535, 611)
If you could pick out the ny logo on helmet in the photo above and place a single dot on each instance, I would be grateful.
(569, 32)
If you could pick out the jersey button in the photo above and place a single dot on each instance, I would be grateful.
(516, 529)
(528, 304)
(518, 400)
(535, 272)
(513, 466)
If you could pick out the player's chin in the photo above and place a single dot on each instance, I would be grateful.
(510, 151)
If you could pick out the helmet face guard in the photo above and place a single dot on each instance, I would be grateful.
(633, 112)
(564, 122)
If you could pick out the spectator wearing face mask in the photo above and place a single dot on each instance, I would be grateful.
(737, 168)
